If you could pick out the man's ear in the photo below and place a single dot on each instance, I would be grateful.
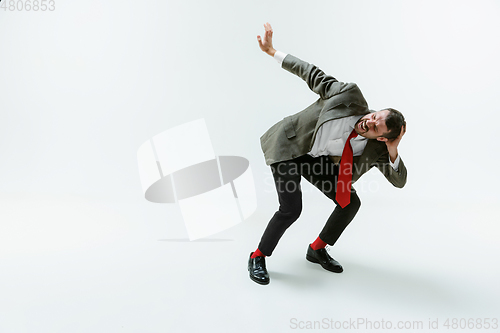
(381, 138)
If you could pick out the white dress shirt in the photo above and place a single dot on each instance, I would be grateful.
(332, 135)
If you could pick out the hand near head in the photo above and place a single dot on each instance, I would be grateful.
(392, 146)
(266, 43)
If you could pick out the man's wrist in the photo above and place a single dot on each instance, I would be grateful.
(279, 57)
(271, 52)
(393, 154)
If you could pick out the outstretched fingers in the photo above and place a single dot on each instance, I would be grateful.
(269, 29)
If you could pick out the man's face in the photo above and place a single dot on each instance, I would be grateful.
(372, 126)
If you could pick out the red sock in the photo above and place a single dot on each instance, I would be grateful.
(318, 244)
(257, 253)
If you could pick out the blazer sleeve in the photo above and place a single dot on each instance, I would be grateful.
(322, 84)
(396, 178)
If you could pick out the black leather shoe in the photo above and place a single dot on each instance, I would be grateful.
(257, 269)
(322, 257)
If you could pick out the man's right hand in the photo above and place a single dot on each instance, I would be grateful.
(266, 43)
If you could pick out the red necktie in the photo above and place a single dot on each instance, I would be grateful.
(344, 181)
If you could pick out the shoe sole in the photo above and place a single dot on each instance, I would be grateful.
(314, 260)
(258, 281)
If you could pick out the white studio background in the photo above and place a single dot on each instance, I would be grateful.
(83, 86)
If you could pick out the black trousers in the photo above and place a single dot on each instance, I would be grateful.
(322, 173)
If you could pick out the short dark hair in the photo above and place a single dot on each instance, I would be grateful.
(394, 121)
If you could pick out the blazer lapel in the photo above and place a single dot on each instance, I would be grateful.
(370, 155)
(340, 111)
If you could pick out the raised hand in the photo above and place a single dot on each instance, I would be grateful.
(392, 146)
(266, 43)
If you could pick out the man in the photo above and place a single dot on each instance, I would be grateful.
(331, 143)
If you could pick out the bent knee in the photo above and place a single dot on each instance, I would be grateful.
(291, 213)
(355, 201)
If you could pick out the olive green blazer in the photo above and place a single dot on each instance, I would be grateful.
(294, 135)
